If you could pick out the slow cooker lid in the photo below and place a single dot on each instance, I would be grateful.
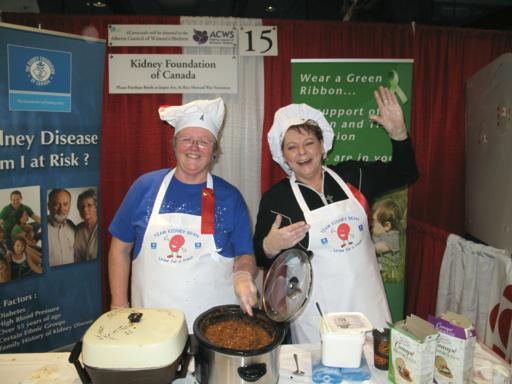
(287, 287)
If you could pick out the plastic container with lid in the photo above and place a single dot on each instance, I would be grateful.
(343, 338)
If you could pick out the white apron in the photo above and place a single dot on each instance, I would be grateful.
(179, 267)
(346, 276)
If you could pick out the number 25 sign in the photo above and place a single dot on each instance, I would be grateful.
(257, 41)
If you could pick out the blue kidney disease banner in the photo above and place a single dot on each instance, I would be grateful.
(50, 120)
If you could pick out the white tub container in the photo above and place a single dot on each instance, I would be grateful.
(343, 338)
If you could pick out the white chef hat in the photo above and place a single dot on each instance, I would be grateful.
(207, 114)
(295, 114)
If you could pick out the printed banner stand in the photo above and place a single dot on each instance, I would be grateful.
(50, 280)
(343, 90)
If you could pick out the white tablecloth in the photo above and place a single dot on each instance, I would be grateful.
(46, 368)
(53, 368)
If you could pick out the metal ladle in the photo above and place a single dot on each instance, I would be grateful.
(297, 371)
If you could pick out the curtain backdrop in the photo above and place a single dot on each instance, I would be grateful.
(425, 248)
(134, 140)
(240, 158)
(444, 59)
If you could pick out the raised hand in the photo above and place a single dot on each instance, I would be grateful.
(391, 116)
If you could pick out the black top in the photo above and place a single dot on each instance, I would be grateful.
(371, 178)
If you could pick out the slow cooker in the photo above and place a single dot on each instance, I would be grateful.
(286, 290)
(134, 345)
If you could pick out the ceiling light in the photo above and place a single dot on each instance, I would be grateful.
(270, 8)
(99, 4)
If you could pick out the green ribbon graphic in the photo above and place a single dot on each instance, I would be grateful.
(395, 88)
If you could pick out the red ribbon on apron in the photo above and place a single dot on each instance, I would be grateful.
(362, 200)
(207, 211)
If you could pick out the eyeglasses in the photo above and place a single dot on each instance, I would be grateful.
(187, 142)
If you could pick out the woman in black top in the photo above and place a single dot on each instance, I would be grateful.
(325, 210)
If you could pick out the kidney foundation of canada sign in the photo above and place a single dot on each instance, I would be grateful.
(135, 73)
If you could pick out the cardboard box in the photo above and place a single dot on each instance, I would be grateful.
(455, 348)
(412, 352)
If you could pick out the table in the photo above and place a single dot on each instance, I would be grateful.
(53, 367)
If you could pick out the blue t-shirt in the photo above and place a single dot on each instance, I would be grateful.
(232, 223)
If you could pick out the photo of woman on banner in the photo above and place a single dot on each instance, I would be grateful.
(184, 233)
(86, 235)
(23, 227)
(325, 211)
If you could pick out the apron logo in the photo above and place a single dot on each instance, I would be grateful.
(343, 232)
(175, 245)
(347, 229)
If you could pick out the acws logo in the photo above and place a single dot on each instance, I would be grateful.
(40, 70)
(222, 35)
(500, 319)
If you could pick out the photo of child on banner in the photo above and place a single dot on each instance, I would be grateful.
(388, 235)
(20, 234)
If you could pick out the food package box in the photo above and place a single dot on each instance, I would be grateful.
(412, 352)
(455, 348)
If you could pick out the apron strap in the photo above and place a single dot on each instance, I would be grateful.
(161, 192)
(298, 194)
(165, 184)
